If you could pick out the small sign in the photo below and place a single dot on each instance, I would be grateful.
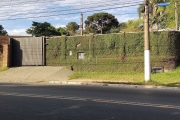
(70, 53)
(81, 55)
(163, 4)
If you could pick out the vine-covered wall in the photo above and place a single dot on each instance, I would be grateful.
(113, 52)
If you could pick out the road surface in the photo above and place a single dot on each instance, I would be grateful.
(54, 102)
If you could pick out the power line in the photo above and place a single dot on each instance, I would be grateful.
(88, 11)
(34, 2)
(74, 5)
(55, 11)
(69, 4)
(27, 2)
(126, 13)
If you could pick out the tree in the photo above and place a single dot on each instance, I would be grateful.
(42, 29)
(115, 30)
(157, 14)
(101, 23)
(72, 26)
(135, 25)
(62, 31)
(122, 25)
(2, 31)
(170, 11)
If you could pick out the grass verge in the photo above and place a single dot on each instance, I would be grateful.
(3, 69)
(171, 79)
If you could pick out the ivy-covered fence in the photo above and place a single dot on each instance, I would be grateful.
(113, 52)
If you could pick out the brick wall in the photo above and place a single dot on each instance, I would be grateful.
(4, 40)
(5, 49)
(4, 55)
(1, 56)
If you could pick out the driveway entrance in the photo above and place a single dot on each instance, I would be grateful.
(35, 74)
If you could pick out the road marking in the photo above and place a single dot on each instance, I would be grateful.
(164, 106)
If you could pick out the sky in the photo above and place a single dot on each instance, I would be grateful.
(17, 15)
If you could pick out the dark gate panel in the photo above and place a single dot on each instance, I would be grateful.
(27, 51)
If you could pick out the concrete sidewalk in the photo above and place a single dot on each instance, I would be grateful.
(58, 76)
(35, 74)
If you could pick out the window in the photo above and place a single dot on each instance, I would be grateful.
(70, 53)
(81, 55)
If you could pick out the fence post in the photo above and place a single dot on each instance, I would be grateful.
(65, 46)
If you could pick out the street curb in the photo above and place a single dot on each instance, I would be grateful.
(114, 85)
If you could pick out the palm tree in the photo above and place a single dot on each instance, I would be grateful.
(157, 14)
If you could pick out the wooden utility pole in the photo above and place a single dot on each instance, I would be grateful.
(176, 15)
(81, 24)
(147, 68)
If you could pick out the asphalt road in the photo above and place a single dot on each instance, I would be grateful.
(50, 102)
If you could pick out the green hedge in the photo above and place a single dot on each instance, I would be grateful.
(113, 52)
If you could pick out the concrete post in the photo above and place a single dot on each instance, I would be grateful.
(176, 15)
(147, 68)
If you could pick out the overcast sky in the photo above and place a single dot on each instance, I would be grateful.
(17, 15)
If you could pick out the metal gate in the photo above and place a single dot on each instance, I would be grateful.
(27, 51)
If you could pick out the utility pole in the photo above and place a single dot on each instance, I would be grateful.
(147, 68)
(81, 24)
(176, 14)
